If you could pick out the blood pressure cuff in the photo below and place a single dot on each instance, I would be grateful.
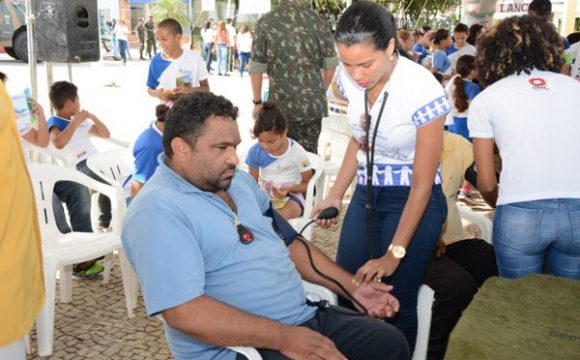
(284, 230)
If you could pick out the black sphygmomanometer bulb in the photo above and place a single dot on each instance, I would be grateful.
(326, 214)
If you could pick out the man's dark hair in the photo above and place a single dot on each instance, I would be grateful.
(60, 92)
(573, 38)
(440, 35)
(461, 27)
(540, 8)
(516, 45)
(172, 25)
(186, 118)
(366, 22)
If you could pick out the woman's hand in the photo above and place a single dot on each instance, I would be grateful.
(376, 269)
(324, 204)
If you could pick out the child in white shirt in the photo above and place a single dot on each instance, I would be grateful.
(280, 163)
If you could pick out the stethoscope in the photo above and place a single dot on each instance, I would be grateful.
(370, 162)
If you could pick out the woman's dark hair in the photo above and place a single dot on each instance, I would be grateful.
(270, 118)
(474, 31)
(3, 77)
(160, 112)
(516, 45)
(366, 22)
(440, 35)
(187, 117)
(464, 67)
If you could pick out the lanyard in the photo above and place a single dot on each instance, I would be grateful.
(370, 159)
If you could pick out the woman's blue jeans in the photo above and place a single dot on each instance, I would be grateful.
(207, 51)
(123, 50)
(244, 59)
(535, 236)
(388, 204)
(222, 55)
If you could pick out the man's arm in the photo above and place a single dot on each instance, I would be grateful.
(373, 297)
(216, 323)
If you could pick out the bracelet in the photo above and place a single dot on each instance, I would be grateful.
(257, 102)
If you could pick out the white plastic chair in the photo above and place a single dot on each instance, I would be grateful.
(61, 251)
(424, 312)
(113, 166)
(485, 225)
(314, 193)
(332, 144)
(49, 155)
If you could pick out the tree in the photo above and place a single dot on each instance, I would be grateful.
(175, 9)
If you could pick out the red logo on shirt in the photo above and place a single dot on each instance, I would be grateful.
(538, 84)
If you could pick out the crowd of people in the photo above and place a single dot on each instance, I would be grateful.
(210, 243)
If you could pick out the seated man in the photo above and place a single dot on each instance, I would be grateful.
(462, 263)
(211, 262)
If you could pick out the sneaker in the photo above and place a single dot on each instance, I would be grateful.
(91, 272)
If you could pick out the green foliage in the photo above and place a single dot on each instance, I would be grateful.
(175, 9)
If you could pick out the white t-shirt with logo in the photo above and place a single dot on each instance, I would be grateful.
(537, 131)
(188, 69)
(468, 49)
(415, 98)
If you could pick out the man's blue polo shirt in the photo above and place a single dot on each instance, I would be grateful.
(182, 243)
(146, 151)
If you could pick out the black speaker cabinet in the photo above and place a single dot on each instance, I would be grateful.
(67, 30)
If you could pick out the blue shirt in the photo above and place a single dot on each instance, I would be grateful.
(145, 151)
(450, 50)
(182, 243)
(441, 61)
(471, 89)
(418, 48)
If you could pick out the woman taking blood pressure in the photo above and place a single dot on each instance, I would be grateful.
(396, 113)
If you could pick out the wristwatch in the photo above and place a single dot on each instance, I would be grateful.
(257, 102)
(398, 251)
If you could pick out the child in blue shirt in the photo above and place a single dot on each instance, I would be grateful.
(440, 63)
(147, 149)
(280, 163)
(464, 91)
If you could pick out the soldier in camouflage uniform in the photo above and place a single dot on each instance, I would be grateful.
(294, 46)
(140, 31)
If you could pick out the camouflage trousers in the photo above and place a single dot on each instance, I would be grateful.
(306, 133)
